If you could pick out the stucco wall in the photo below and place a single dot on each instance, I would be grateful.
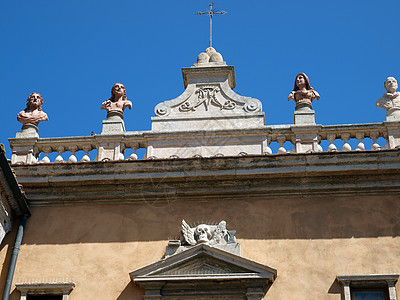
(308, 240)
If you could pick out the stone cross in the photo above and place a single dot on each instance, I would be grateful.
(211, 12)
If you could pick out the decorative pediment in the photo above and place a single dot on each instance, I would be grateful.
(189, 270)
(209, 95)
(214, 98)
(203, 264)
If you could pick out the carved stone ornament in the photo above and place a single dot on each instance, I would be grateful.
(208, 98)
(33, 113)
(208, 91)
(207, 95)
(212, 235)
(209, 57)
(303, 94)
(118, 101)
(204, 272)
(391, 99)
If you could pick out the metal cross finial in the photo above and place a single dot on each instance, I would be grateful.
(211, 12)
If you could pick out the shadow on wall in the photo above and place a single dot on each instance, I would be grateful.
(131, 292)
(15, 295)
(303, 218)
(336, 288)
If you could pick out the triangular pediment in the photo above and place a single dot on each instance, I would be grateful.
(203, 262)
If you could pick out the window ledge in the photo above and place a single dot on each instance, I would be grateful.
(45, 288)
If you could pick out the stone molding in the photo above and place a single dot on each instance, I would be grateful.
(45, 288)
(187, 74)
(176, 144)
(206, 271)
(368, 280)
(273, 176)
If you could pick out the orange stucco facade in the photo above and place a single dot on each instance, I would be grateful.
(309, 240)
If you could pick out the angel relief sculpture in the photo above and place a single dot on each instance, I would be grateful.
(204, 234)
(207, 234)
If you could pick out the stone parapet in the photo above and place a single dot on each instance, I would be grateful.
(206, 143)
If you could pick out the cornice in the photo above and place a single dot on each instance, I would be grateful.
(217, 178)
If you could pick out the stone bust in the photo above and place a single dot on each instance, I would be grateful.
(303, 94)
(33, 113)
(118, 101)
(390, 99)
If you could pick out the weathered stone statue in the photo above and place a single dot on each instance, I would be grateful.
(303, 94)
(118, 101)
(391, 99)
(33, 113)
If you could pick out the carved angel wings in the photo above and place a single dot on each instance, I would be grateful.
(188, 233)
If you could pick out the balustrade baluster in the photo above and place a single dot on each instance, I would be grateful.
(86, 157)
(72, 158)
(35, 156)
(121, 154)
(59, 158)
(281, 139)
(46, 150)
(266, 149)
(331, 137)
(386, 137)
(293, 140)
(319, 144)
(346, 146)
(374, 136)
(360, 137)
(134, 148)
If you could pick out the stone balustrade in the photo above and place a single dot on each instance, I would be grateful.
(207, 120)
(274, 139)
(106, 147)
(359, 132)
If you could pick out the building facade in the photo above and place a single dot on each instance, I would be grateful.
(222, 206)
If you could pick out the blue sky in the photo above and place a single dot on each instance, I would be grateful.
(72, 52)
